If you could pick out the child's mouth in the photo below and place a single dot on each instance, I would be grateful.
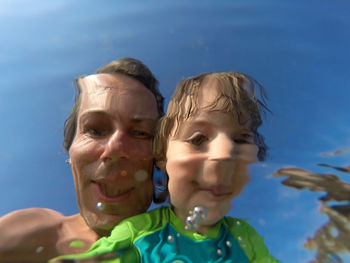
(218, 191)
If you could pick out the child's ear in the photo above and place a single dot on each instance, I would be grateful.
(162, 165)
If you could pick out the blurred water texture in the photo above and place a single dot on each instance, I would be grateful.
(331, 240)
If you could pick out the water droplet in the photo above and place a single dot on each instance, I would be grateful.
(238, 223)
(178, 234)
(170, 239)
(124, 173)
(77, 243)
(240, 239)
(39, 249)
(200, 211)
(196, 216)
(190, 223)
(228, 243)
(219, 251)
(140, 175)
(100, 206)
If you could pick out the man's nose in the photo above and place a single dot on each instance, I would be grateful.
(222, 148)
(116, 147)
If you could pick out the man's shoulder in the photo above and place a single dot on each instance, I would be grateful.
(25, 230)
(31, 218)
(29, 221)
(34, 212)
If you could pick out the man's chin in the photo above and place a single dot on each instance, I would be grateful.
(102, 223)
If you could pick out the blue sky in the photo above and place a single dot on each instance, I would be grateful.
(299, 51)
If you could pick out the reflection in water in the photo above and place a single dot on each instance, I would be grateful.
(100, 206)
(39, 249)
(77, 243)
(332, 238)
(338, 152)
(342, 169)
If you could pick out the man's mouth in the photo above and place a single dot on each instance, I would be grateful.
(111, 193)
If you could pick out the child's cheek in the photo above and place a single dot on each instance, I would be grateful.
(248, 153)
(186, 168)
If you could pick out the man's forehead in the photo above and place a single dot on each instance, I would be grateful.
(93, 84)
(114, 94)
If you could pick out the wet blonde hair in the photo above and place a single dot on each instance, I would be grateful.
(237, 94)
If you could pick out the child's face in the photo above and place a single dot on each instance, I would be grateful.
(207, 160)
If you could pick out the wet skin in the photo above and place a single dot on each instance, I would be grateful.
(207, 160)
(111, 155)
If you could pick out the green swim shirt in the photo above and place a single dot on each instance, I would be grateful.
(159, 236)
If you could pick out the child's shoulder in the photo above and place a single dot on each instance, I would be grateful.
(249, 239)
(237, 223)
(242, 230)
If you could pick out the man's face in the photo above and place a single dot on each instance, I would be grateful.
(207, 160)
(111, 155)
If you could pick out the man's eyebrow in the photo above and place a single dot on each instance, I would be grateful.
(133, 119)
(92, 113)
(139, 119)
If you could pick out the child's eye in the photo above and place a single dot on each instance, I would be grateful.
(197, 139)
(244, 138)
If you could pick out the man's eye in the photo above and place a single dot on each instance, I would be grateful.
(93, 132)
(197, 139)
(142, 134)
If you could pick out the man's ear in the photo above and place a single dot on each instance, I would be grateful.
(162, 165)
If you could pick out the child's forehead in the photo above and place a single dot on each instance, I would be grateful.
(209, 96)
(208, 93)
(217, 95)
(203, 95)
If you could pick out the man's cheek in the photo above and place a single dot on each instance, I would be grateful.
(141, 151)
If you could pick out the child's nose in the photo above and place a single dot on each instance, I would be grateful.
(222, 148)
(116, 147)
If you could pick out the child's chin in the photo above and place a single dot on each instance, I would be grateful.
(213, 217)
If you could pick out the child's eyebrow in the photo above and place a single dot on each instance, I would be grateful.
(195, 123)
(190, 125)
(202, 123)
